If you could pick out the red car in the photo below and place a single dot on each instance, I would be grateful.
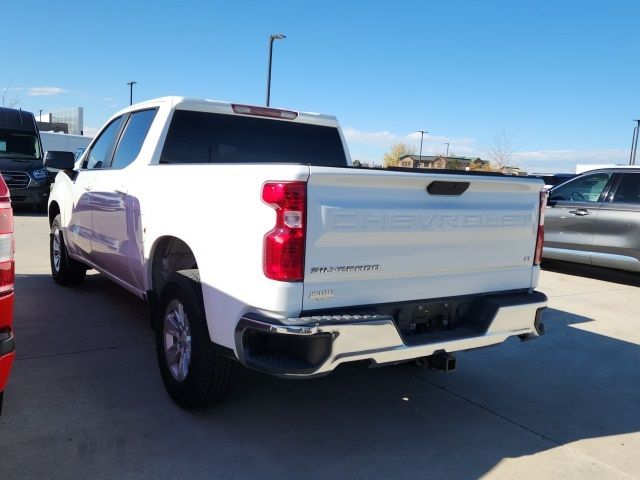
(7, 275)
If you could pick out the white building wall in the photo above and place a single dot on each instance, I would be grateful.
(73, 117)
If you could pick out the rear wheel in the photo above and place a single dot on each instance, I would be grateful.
(64, 269)
(194, 373)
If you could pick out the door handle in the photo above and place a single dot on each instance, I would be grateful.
(581, 212)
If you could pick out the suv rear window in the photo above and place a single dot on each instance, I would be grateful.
(200, 137)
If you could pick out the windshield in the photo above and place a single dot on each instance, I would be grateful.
(16, 144)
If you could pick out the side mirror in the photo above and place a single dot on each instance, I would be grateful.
(59, 160)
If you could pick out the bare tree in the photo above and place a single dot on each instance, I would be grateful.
(397, 150)
(500, 149)
(8, 102)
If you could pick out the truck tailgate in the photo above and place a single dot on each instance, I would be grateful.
(376, 236)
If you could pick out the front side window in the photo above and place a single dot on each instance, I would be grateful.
(133, 137)
(102, 148)
(584, 189)
(628, 190)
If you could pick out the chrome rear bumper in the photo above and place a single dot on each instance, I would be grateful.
(324, 342)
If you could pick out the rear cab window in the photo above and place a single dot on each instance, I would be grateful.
(203, 137)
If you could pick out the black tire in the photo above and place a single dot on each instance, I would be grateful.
(66, 271)
(208, 374)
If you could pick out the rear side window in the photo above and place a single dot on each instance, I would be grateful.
(628, 190)
(102, 148)
(199, 137)
(133, 137)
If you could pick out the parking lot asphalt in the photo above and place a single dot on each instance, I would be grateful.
(85, 399)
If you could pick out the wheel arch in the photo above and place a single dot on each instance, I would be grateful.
(168, 254)
(54, 210)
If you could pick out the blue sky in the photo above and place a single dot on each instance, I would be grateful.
(562, 78)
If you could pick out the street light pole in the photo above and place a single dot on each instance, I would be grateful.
(131, 84)
(421, 132)
(271, 39)
(634, 143)
(447, 144)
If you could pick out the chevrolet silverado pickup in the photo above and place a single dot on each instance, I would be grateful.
(255, 241)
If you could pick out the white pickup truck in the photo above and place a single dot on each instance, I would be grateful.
(255, 241)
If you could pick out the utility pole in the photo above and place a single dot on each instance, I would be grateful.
(421, 132)
(634, 143)
(131, 84)
(271, 39)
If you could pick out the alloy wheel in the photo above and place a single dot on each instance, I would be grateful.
(177, 340)
(56, 250)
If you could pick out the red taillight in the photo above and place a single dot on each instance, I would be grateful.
(264, 111)
(284, 245)
(540, 238)
(7, 274)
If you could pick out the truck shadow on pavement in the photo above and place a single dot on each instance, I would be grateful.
(22, 211)
(596, 273)
(86, 397)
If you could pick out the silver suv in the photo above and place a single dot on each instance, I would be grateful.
(594, 218)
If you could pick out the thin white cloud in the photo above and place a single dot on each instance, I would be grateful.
(44, 91)
(432, 144)
(599, 155)
(566, 160)
(376, 138)
(370, 147)
(415, 136)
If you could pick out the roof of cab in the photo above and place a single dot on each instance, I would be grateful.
(15, 119)
(217, 106)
